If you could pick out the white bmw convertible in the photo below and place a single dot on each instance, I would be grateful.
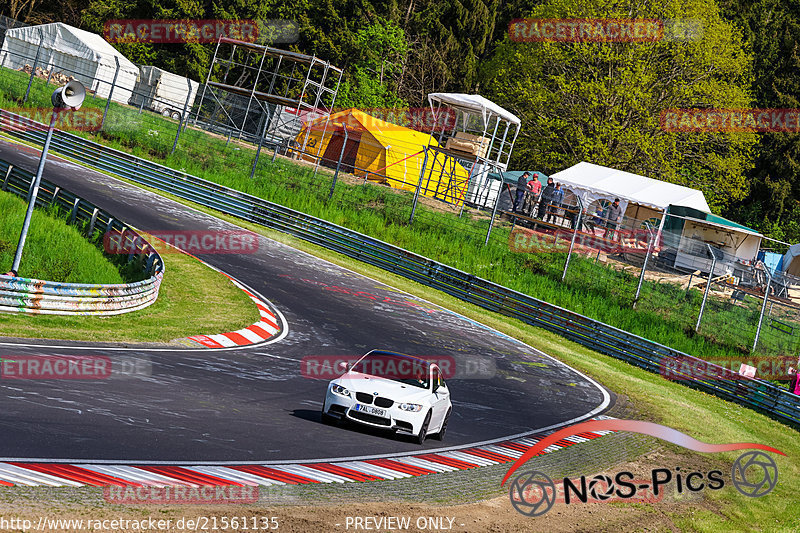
(391, 391)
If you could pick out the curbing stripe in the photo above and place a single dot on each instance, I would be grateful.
(265, 329)
(338, 471)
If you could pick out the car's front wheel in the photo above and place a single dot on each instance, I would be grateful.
(423, 431)
(440, 435)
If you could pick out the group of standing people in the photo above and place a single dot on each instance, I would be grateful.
(548, 199)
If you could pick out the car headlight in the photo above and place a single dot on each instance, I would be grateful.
(341, 391)
(413, 407)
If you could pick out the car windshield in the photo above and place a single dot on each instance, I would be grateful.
(404, 369)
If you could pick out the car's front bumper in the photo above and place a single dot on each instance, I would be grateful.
(396, 419)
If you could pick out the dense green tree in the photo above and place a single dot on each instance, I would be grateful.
(373, 75)
(447, 41)
(601, 102)
(772, 31)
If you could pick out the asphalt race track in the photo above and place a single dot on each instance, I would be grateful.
(252, 404)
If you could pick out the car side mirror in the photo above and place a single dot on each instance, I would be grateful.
(341, 366)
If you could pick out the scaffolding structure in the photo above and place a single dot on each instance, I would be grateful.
(259, 93)
(478, 134)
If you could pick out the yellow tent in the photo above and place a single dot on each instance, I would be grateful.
(383, 152)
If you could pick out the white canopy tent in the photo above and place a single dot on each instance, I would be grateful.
(74, 52)
(594, 182)
(473, 104)
(691, 223)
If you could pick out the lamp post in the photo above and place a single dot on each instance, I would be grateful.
(71, 96)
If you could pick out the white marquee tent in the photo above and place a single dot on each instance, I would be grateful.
(643, 198)
(85, 56)
(594, 182)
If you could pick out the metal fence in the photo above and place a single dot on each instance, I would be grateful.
(754, 393)
(125, 102)
(7, 23)
(342, 162)
(745, 306)
(33, 296)
(123, 99)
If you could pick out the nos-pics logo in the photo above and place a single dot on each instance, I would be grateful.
(533, 493)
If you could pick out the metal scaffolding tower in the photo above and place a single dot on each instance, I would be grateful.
(260, 93)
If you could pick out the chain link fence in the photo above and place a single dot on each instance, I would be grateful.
(367, 173)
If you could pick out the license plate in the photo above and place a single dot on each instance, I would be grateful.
(369, 410)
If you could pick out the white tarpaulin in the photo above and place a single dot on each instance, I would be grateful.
(594, 182)
(85, 56)
(474, 104)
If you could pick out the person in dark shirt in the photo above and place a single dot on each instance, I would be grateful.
(522, 186)
(547, 197)
(613, 216)
(556, 198)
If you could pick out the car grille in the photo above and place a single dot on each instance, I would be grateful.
(368, 399)
(372, 419)
(363, 397)
(383, 402)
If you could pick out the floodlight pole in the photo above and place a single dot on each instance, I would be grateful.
(34, 191)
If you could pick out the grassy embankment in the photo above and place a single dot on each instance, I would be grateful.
(194, 299)
(665, 313)
(702, 416)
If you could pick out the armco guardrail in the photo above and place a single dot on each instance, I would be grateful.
(35, 296)
(757, 394)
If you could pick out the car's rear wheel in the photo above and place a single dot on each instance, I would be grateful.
(423, 431)
(440, 435)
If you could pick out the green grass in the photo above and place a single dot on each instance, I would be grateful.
(664, 313)
(53, 250)
(697, 414)
(194, 299)
(702, 416)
